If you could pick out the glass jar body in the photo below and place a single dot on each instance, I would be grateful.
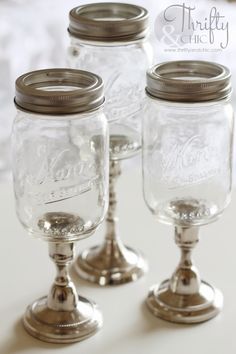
(187, 160)
(122, 67)
(60, 171)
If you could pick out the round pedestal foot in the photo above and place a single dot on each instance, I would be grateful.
(123, 266)
(199, 307)
(62, 326)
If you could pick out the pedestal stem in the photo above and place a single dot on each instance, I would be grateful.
(112, 219)
(111, 263)
(186, 279)
(62, 317)
(63, 295)
(185, 298)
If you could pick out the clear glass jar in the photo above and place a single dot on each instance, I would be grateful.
(111, 39)
(60, 153)
(187, 172)
(187, 142)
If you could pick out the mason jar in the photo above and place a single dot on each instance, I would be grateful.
(111, 39)
(60, 153)
(187, 141)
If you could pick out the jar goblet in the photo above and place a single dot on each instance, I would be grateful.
(112, 40)
(187, 163)
(60, 170)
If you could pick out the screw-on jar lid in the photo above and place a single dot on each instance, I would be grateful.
(188, 81)
(59, 91)
(109, 22)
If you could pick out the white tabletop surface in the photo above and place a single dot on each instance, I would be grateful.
(26, 274)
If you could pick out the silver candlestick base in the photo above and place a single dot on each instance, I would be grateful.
(62, 316)
(111, 263)
(185, 298)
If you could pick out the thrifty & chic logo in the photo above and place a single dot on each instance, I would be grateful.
(181, 27)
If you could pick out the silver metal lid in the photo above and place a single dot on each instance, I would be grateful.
(59, 91)
(109, 22)
(189, 81)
